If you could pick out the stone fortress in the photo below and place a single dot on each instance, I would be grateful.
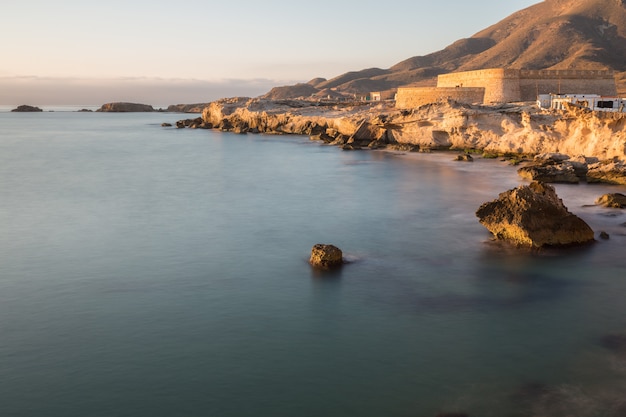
(499, 85)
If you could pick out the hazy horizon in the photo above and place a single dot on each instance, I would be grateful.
(156, 52)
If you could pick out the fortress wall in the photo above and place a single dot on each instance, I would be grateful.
(566, 82)
(501, 85)
(407, 98)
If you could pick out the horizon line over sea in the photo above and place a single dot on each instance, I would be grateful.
(162, 272)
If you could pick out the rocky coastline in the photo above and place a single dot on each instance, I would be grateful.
(511, 129)
(572, 145)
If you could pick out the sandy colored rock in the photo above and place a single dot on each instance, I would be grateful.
(613, 200)
(533, 216)
(326, 256)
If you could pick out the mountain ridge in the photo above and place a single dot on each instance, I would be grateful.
(552, 34)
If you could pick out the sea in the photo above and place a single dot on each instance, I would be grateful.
(163, 272)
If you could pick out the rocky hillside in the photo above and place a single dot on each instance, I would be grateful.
(553, 34)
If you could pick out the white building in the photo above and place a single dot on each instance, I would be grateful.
(593, 102)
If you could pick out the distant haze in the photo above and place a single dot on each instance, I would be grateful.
(160, 92)
(160, 52)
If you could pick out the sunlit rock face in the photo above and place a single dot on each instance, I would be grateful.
(612, 200)
(533, 216)
(326, 256)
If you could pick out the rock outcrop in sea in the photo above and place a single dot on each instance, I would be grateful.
(533, 216)
(121, 107)
(26, 108)
(612, 200)
(326, 256)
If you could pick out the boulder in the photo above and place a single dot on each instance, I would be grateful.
(26, 108)
(326, 256)
(613, 200)
(120, 107)
(533, 216)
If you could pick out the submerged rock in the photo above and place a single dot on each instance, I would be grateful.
(326, 256)
(533, 216)
(464, 157)
(612, 200)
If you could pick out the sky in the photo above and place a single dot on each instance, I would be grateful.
(157, 52)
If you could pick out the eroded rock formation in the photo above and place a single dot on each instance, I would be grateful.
(533, 216)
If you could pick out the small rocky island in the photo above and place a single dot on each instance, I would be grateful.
(26, 108)
(122, 107)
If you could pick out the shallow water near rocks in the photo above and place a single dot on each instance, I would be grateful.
(161, 272)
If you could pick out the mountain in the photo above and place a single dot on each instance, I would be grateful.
(553, 34)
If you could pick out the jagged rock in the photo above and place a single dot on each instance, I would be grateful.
(85, 111)
(604, 235)
(533, 216)
(197, 123)
(326, 256)
(120, 107)
(612, 200)
(26, 108)
(166, 125)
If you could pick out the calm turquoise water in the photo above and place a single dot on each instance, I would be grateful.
(160, 272)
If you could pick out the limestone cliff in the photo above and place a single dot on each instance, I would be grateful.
(499, 130)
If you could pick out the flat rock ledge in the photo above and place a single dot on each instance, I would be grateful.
(533, 216)
(326, 256)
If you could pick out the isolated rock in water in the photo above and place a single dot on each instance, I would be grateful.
(326, 256)
(534, 216)
(613, 200)
(26, 108)
(120, 107)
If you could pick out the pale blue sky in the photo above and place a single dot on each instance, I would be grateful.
(239, 46)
